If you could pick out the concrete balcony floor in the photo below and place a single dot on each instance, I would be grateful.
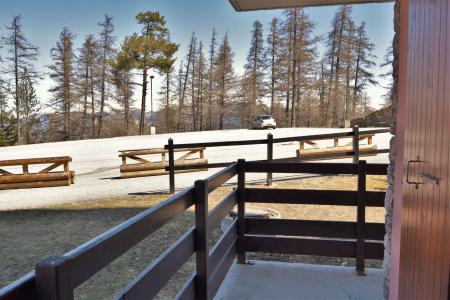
(278, 280)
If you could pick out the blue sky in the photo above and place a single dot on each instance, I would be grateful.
(44, 19)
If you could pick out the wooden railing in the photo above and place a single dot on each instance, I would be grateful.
(57, 276)
(355, 134)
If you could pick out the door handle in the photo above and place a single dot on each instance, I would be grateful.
(431, 178)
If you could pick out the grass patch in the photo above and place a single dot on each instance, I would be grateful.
(29, 236)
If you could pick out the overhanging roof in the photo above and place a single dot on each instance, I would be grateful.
(247, 5)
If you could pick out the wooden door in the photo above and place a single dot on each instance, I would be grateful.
(425, 231)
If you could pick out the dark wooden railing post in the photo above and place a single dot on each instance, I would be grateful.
(171, 166)
(361, 218)
(201, 239)
(50, 283)
(269, 156)
(241, 212)
(355, 144)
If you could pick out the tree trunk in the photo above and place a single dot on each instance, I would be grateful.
(143, 100)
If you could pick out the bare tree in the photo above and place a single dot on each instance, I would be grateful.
(106, 43)
(21, 54)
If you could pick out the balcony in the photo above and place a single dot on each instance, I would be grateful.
(223, 271)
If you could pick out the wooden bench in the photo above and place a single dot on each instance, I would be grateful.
(16, 174)
(140, 166)
(337, 148)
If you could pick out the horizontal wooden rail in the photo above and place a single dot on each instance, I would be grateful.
(201, 166)
(277, 140)
(317, 247)
(23, 288)
(128, 153)
(312, 168)
(311, 197)
(187, 292)
(221, 210)
(221, 177)
(88, 259)
(154, 277)
(35, 161)
(222, 246)
(325, 229)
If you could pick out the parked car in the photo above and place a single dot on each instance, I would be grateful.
(264, 122)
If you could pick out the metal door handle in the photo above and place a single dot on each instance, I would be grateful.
(429, 177)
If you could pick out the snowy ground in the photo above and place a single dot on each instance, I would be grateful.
(96, 163)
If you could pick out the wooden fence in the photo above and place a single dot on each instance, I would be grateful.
(44, 176)
(355, 134)
(142, 165)
(57, 276)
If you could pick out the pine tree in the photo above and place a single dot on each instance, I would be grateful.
(29, 108)
(106, 54)
(62, 72)
(7, 122)
(225, 77)
(255, 71)
(88, 74)
(123, 82)
(364, 75)
(151, 49)
(201, 74)
(21, 54)
(211, 78)
(388, 74)
(274, 54)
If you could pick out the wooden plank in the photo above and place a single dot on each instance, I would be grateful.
(157, 172)
(34, 184)
(338, 150)
(35, 161)
(276, 140)
(4, 172)
(311, 168)
(269, 157)
(311, 197)
(203, 166)
(221, 177)
(250, 5)
(154, 151)
(150, 281)
(201, 239)
(50, 168)
(159, 165)
(221, 210)
(361, 219)
(86, 260)
(139, 159)
(52, 279)
(22, 178)
(325, 229)
(218, 252)
(218, 276)
(187, 292)
(22, 289)
(318, 247)
(242, 198)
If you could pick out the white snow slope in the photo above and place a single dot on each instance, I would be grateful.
(96, 163)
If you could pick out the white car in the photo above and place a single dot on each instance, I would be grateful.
(264, 122)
